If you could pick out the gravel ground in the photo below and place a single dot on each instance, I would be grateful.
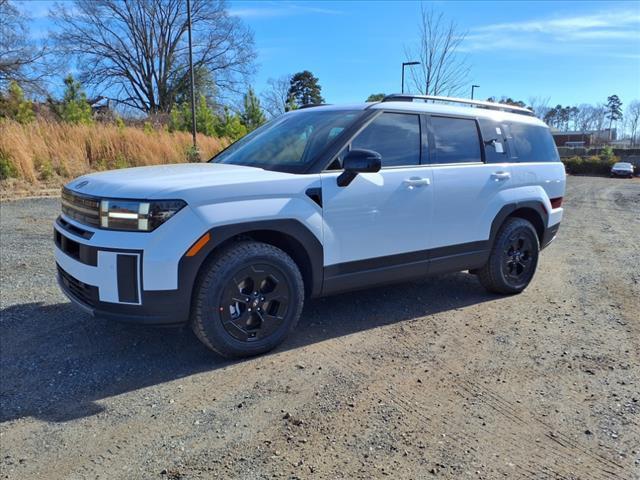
(433, 379)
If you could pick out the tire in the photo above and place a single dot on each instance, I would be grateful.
(513, 259)
(247, 299)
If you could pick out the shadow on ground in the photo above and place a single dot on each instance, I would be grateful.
(57, 362)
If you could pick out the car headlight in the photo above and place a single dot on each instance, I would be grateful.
(140, 216)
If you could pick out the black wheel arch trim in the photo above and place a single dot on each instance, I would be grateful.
(510, 208)
(189, 267)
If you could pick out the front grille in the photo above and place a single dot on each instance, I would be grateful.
(81, 208)
(83, 292)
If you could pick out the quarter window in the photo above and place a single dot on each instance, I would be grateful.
(395, 136)
(532, 143)
(456, 140)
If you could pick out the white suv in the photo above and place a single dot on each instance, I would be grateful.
(318, 201)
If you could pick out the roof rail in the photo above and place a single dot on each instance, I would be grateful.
(311, 105)
(403, 97)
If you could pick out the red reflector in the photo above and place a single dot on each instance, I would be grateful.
(556, 202)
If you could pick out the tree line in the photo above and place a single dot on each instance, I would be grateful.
(134, 56)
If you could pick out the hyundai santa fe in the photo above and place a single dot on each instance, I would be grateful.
(318, 201)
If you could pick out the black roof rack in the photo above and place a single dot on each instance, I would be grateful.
(404, 97)
(311, 105)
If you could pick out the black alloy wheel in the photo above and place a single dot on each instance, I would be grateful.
(247, 299)
(518, 257)
(513, 259)
(255, 302)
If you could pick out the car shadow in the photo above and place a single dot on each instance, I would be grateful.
(58, 363)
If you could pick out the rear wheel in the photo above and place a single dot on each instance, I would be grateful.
(248, 299)
(513, 259)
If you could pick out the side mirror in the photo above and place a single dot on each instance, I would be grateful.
(359, 161)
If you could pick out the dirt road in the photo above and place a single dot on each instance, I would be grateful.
(435, 379)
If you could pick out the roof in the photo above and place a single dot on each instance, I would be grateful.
(436, 108)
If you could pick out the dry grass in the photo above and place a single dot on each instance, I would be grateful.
(44, 152)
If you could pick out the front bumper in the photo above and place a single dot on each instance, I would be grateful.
(621, 173)
(148, 282)
(166, 308)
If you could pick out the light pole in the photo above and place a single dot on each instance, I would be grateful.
(473, 87)
(404, 64)
(193, 94)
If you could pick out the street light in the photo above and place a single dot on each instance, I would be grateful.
(473, 87)
(404, 64)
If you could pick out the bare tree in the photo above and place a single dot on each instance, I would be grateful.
(136, 50)
(539, 106)
(275, 97)
(20, 57)
(442, 70)
(633, 116)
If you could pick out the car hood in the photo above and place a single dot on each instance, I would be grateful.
(168, 181)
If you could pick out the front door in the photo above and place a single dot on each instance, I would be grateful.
(380, 222)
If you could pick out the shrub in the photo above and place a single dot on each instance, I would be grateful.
(193, 154)
(7, 168)
(592, 165)
(46, 170)
(14, 105)
(606, 154)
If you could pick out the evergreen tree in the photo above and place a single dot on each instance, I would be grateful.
(231, 126)
(206, 120)
(74, 107)
(252, 116)
(375, 97)
(614, 111)
(305, 89)
(15, 106)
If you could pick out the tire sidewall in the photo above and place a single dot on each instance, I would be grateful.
(519, 225)
(212, 327)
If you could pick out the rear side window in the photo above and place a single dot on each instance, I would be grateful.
(532, 143)
(395, 136)
(456, 140)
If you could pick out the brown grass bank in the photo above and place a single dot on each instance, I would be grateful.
(46, 154)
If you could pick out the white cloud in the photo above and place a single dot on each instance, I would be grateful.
(559, 35)
(568, 24)
(280, 9)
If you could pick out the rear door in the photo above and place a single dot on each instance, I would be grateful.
(466, 187)
(380, 219)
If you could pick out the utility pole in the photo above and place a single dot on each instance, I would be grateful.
(193, 93)
(473, 87)
(404, 64)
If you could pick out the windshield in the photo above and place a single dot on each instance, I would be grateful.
(290, 142)
(622, 164)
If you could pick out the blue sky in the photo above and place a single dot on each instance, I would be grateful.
(571, 52)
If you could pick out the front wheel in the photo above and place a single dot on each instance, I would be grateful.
(248, 298)
(513, 259)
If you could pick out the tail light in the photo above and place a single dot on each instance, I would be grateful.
(556, 202)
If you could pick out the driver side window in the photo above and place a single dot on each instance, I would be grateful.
(395, 136)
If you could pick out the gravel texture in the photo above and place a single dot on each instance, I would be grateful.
(432, 379)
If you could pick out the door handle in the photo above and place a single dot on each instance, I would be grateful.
(501, 175)
(416, 182)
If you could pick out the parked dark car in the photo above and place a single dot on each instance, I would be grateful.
(622, 169)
